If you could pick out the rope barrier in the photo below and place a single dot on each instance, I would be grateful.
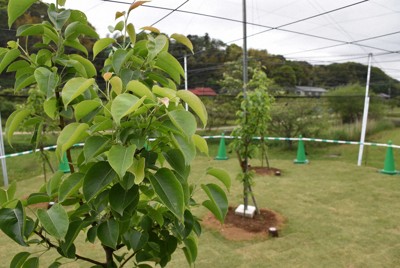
(232, 137)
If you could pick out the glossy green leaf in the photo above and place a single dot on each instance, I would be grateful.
(3, 197)
(124, 105)
(200, 143)
(101, 44)
(71, 134)
(47, 81)
(218, 202)
(29, 30)
(132, 33)
(138, 169)
(58, 18)
(120, 199)
(183, 40)
(76, 44)
(186, 146)
(88, 65)
(116, 84)
(54, 220)
(98, 177)
(12, 223)
(69, 186)
(194, 103)
(19, 259)
(14, 121)
(121, 158)
(119, 57)
(31, 263)
(74, 229)
(190, 249)
(169, 190)
(176, 160)
(119, 26)
(17, 65)
(83, 108)
(108, 233)
(75, 87)
(94, 146)
(24, 81)
(170, 65)
(9, 57)
(221, 175)
(17, 8)
(77, 28)
(139, 89)
(155, 46)
(184, 121)
(50, 107)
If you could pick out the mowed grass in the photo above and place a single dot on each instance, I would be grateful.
(337, 214)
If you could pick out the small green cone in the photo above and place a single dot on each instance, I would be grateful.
(222, 150)
(389, 166)
(64, 166)
(301, 155)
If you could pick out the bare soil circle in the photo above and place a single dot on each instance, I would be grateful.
(239, 228)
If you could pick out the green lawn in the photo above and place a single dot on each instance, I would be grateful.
(337, 214)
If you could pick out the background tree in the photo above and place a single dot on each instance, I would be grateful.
(129, 188)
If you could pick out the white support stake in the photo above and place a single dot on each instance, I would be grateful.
(365, 113)
(186, 78)
(3, 153)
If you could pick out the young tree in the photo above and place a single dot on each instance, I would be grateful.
(129, 188)
(252, 120)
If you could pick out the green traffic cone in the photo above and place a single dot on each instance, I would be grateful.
(64, 166)
(221, 150)
(301, 155)
(389, 166)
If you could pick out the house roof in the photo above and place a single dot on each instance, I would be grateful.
(203, 91)
(311, 89)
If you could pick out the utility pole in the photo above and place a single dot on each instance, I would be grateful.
(245, 60)
(186, 77)
(365, 114)
(2, 154)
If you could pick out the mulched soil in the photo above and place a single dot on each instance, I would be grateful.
(239, 228)
(266, 171)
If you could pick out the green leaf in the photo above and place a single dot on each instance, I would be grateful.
(75, 87)
(121, 158)
(119, 26)
(108, 233)
(47, 81)
(221, 175)
(164, 92)
(183, 40)
(24, 81)
(73, 231)
(76, 44)
(29, 30)
(135, 240)
(169, 190)
(155, 46)
(70, 186)
(201, 143)
(132, 34)
(58, 18)
(17, 8)
(88, 65)
(55, 221)
(50, 107)
(218, 202)
(101, 44)
(119, 57)
(120, 199)
(3, 197)
(137, 168)
(83, 108)
(170, 65)
(71, 134)
(139, 89)
(116, 84)
(31, 263)
(37, 198)
(17, 65)
(12, 223)
(190, 249)
(194, 103)
(98, 177)
(186, 146)
(19, 259)
(176, 160)
(9, 57)
(124, 105)
(94, 146)
(14, 121)
(77, 28)
(184, 121)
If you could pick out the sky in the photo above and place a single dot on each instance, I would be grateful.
(316, 31)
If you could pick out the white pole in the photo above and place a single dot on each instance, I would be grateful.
(365, 114)
(3, 153)
(186, 78)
